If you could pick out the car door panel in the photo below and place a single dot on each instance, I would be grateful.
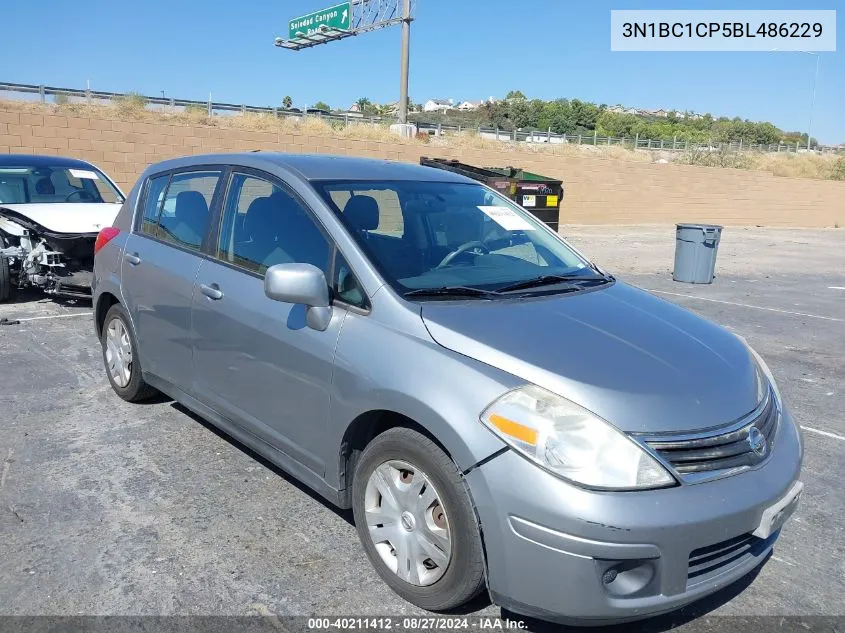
(258, 364)
(159, 268)
(158, 290)
(255, 360)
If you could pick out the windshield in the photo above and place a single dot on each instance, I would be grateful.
(436, 235)
(45, 184)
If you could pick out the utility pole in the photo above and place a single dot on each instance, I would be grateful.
(815, 81)
(406, 45)
(813, 104)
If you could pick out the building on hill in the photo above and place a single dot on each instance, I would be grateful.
(620, 109)
(438, 105)
(470, 105)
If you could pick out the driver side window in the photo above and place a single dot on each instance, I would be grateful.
(263, 225)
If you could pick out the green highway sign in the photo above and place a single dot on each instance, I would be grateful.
(337, 17)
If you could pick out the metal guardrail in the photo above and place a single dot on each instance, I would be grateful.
(49, 93)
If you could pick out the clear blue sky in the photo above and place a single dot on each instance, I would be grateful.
(463, 49)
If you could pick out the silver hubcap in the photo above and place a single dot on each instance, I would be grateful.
(407, 523)
(118, 352)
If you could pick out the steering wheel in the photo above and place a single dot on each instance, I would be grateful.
(463, 248)
(83, 195)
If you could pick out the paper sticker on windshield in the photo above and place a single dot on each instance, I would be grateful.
(84, 173)
(506, 218)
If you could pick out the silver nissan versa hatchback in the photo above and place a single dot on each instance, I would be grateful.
(498, 412)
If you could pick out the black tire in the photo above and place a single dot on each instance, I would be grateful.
(136, 389)
(464, 575)
(5, 279)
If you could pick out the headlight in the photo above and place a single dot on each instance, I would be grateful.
(571, 442)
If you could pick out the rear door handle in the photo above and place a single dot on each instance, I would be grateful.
(212, 292)
(132, 258)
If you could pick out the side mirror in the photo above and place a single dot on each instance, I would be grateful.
(301, 284)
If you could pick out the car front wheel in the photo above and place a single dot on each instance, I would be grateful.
(415, 519)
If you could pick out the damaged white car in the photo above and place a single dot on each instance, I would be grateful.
(51, 210)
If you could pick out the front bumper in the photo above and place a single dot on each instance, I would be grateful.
(560, 552)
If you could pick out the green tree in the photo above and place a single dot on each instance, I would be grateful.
(519, 113)
(322, 105)
(560, 116)
(287, 103)
(618, 125)
(576, 116)
(585, 114)
(363, 102)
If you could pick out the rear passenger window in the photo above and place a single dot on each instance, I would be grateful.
(263, 225)
(180, 215)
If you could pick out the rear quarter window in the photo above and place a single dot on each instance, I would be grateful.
(177, 207)
(156, 188)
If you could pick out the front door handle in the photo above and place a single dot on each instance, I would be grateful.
(212, 292)
(132, 258)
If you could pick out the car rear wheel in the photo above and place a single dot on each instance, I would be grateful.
(120, 355)
(5, 279)
(416, 522)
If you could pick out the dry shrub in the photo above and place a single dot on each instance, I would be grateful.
(803, 165)
(130, 105)
(133, 107)
(715, 158)
(837, 171)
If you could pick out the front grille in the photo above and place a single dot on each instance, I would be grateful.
(710, 561)
(705, 455)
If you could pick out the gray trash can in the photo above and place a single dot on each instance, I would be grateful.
(695, 252)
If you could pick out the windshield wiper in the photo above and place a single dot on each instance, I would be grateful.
(550, 280)
(452, 291)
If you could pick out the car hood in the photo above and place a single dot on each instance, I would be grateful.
(71, 217)
(640, 362)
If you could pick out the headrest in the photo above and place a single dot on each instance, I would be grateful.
(259, 216)
(44, 187)
(362, 212)
(190, 204)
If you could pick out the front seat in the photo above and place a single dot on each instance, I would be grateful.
(189, 218)
(261, 225)
(44, 187)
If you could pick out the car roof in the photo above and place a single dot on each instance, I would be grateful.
(29, 160)
(314, 167)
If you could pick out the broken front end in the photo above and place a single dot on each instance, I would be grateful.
(60, 264)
